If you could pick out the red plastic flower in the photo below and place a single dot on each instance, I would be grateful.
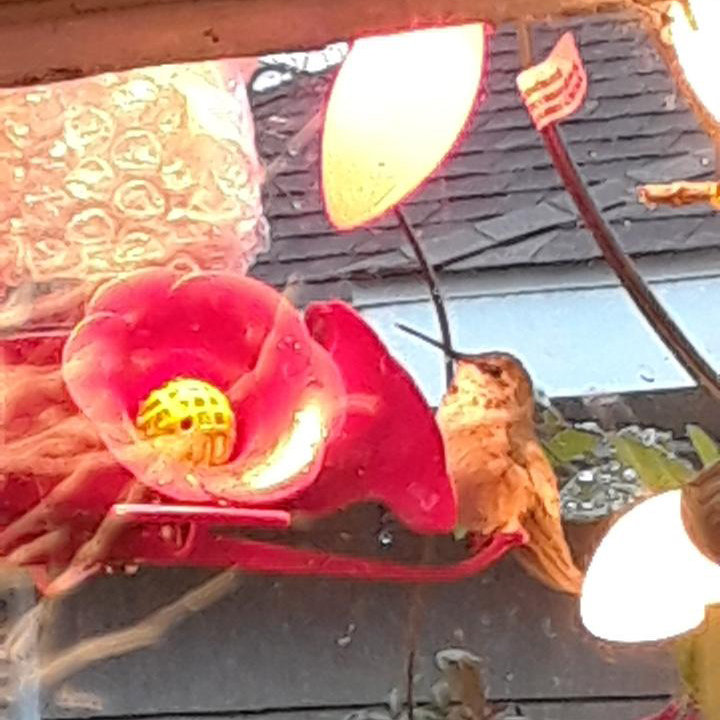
(322, 416)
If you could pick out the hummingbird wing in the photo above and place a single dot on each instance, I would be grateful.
(546, 556)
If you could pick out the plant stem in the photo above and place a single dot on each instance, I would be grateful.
(433, 283)
(625, 269)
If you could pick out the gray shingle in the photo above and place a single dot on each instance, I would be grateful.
(524, 221)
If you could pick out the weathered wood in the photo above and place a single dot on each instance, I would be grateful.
(45, 40)
(603, 709)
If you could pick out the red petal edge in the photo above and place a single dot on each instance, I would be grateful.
(390, 449)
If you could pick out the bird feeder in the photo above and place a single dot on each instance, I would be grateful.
(152, 419)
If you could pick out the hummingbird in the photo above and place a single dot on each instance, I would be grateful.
(503, 479)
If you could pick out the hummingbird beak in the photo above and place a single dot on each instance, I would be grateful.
(453, 354)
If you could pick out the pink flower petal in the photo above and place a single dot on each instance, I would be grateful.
(209, 327)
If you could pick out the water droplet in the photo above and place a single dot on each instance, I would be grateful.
(630, 475)
(345, 639)
(648, 437)
(547, 628)
(395, 702)
(586, 476)
(485, 620)
(385, 537)
(617, 504)
(509, 677)
(646, 373)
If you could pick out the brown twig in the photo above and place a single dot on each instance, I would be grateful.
(144, 634)
(90, 555)
(84, 470)
(295, 145)
(39, 548)
(680, 193)
(34, 310)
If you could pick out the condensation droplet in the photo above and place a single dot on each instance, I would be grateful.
(646, 373)
(630, 475)
(385, 537)
(547, 628)
(586, 477)
(648, 437)
(345, 639)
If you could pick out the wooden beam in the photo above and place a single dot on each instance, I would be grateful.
(46, 40)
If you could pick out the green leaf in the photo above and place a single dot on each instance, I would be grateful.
(571, 444)
(656, 469)
(705, 447)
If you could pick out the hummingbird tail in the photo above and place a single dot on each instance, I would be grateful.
(547, 556)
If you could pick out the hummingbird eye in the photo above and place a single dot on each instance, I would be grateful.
(492, 370)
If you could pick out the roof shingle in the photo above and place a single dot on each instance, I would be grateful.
(497, 201)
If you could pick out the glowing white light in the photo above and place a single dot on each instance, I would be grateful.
(647, 581)
(293, 454)
(698, 50)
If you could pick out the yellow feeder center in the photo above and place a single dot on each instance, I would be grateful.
(189, 420)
